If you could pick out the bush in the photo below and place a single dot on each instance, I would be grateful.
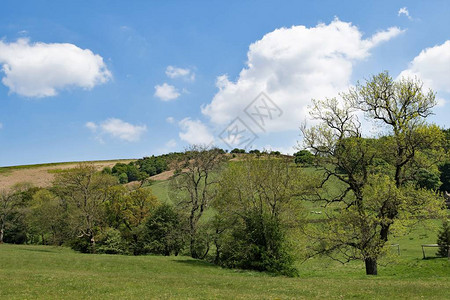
(164, 231)
(304, 157)
(123, 178)
(444, 239)
(112, 243)
(258, 243)
(82, 245)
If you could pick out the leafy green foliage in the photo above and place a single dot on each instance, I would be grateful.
(258, 243)
(303, 157)
(164, 232)
(445, 176)
(237, 150)
(427, 180)
(112, 243)
(444, 239)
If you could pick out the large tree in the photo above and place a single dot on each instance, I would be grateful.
(257, 205)
(194, 186)
(374, 175)
(84, 191)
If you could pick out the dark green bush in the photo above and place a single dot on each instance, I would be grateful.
(257, 243)
(164, 231)
(444, 239)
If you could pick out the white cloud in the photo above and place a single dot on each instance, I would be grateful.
(195, 132)
(292, 66)
(1, 125)
(41, 70)
(91, 125)
(171, 143)
(118, 129)
(166, 92)
(404, 11)
(170, 120)
(432, 66)
(174, 72)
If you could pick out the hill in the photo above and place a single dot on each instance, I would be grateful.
(42, 175)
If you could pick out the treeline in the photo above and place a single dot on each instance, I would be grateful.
(143, 168)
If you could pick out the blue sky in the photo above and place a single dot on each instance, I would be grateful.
(85, 80)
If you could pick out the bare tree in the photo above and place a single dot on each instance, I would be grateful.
(194, 187)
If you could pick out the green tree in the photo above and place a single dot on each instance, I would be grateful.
(444, 240)
(258, 202)
(47, 217)
(362, 227)
(84, 191)
(165, 234)
(9, 202)
(194, 187)
(304, 157)
(445, 177)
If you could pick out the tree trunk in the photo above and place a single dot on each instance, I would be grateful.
(2, 232)
(92, 244)
(192, 247)
(371, 266)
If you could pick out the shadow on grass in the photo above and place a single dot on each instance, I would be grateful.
(196, 263)
(432, 257)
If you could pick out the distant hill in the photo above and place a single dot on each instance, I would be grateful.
(42, 175)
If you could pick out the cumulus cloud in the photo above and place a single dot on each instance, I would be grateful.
(292, 66)
(432, 66)
(41, 70)
(118, 129)
(174, 72)
(195, 132)
(404, 11)
(170, 120)
(166, 92)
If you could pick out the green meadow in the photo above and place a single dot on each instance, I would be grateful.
(43, 272)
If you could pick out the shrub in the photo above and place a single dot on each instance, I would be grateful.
(258, 243)
(164, 231)
(444, 239)
(123, 178)
(304, 157)
(112, 243)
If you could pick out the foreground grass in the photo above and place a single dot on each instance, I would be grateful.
(45, 272)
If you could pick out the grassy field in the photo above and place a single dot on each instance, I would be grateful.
(45, 272)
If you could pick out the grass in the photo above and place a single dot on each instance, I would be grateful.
(45, 272)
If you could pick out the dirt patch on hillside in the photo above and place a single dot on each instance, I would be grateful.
(43, 176)
(163, 176)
